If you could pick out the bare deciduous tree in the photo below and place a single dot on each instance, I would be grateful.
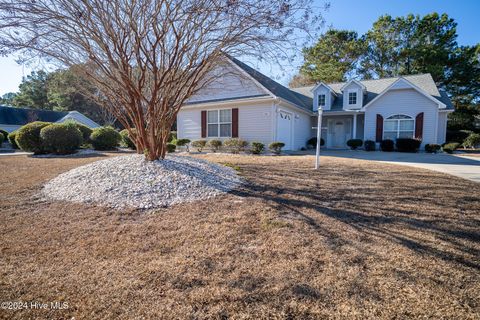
(150, 56)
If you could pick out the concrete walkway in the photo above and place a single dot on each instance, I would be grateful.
(461, 166)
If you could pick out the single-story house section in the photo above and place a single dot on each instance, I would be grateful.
(242, 102)
(12, 118)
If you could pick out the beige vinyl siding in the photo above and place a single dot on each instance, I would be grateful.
(408, 102)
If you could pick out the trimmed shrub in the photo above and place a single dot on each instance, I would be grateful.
(407, 144)
(257, 147)
(172, 137)
(450, 147)
(312, 142)
(183, 142)
(199, 144)
(354, 143)
(276, 147)
(61, 138)
(472, 141)
(458, 135)
(387, 145)
(86, 131)
(11, 139)
(105, 138)
(214, 145)
(171, 147)
(126, 141)
(2, 138)
(369, 145)
(4, 134)
(432, 148)
(235, 145)
(28, 137)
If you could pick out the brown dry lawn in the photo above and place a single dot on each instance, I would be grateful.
(357, 239)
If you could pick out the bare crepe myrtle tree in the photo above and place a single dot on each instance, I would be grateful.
(147, 57)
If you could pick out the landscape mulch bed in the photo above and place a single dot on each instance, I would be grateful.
(356, 239)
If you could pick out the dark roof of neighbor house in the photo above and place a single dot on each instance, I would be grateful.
(21, 116)
(276, 88)
(375, 87)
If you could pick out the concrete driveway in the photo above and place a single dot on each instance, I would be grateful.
(461, 166)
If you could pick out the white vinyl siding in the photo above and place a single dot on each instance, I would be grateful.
(254, 122)
(352, 96)
(407, 102)
(232, 83)
(442, 127)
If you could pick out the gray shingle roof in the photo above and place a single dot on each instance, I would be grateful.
(375, 87)
(21, 116)
(301, 100)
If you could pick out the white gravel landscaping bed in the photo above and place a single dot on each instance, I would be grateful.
(130, 181)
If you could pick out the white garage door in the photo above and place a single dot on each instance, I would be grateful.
(284, 129)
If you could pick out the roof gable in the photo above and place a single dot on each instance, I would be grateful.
(274, 87)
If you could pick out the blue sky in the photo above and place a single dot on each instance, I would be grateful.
(357, 15)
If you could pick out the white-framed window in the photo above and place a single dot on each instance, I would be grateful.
(322, 100)
(398, 126)
(352, 97)
(219, 123)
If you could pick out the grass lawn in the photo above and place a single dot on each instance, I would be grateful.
(357, 239)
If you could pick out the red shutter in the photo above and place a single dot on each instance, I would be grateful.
(235, 123)
(204, 124)
(419, 126)
(379, 132)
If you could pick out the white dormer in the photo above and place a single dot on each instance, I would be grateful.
(323, 96)
(353, 94)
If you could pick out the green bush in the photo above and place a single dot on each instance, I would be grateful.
(369, 145)
(199, 144)
(235, 145)
(407, 144)
(458, 135)
(450, 147)
(2, 138)
(354, 143)
(257, 147)
(61, 138)
(472, 141)
(105, 138)
(4, 134)
(171, 147)
(214, 145)
(432, 148)
(86, 131)
(11, 139)
(172, 137)
(126, 140)
(387, 145)
(276, 147)
(184, 142)
(28, 137)
(313, 142)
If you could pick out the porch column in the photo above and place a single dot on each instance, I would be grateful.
(354, 135)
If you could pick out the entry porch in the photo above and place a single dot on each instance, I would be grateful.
(338, 128)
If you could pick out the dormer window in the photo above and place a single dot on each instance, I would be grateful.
(352, 98)
(321, 100)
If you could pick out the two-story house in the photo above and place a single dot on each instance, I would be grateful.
(242, 102)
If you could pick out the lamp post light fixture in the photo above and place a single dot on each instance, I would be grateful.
(319, 137)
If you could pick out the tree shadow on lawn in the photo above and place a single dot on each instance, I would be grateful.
(369, 212)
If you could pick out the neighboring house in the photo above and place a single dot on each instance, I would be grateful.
(13, 118)
(242, 102)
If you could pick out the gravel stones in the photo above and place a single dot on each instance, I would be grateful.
(130, 181)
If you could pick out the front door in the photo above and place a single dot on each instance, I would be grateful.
(339, 134)
(284, 129)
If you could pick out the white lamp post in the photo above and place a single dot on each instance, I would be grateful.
(319, 137)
